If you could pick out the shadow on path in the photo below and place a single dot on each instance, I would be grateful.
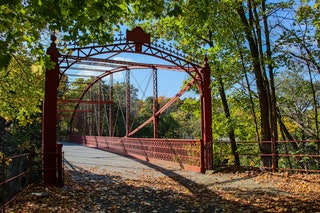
(114, 191)
(113, 194)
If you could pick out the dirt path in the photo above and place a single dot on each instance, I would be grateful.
(98, 181)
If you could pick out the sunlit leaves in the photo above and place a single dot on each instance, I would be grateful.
(21, 90)
(200, 28)
(22, 23)
(296, 104)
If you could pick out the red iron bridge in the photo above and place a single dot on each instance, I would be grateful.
(77, 99)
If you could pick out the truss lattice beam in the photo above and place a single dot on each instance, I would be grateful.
(110, 63)
(84, 101)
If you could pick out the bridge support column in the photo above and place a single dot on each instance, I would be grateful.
(128, 102)
(206, 118)
(49, 120)
(110, 107)
(155, 103)
(99, 109)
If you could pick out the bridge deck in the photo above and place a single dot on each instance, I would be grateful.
(100, 181)
(82, 157)
(123, 184)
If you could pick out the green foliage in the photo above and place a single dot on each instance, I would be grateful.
(309, 11)
(189, 118)
(21, 93)
(295, 104)
(178, 121)
(302, 155)
(197, 28)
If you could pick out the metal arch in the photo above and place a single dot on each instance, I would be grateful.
(119, 69)
(139, 42)
(87, 53)
(91, 84)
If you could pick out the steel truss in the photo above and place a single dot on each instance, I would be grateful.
(99, 59)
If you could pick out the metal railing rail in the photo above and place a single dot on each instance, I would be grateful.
(7, 198)
(298, 156)
(28, 171)
(183, 152)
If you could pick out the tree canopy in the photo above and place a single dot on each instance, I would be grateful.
(257, 51)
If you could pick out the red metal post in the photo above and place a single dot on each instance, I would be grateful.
(49, 118)
(128, 102)
(155, 103)
(3, 187)
(202, 163)
(99, 109)
(273, 150)
(60, 164)
(110, 107)
(85, 122)
(207, 115)
(91, 106)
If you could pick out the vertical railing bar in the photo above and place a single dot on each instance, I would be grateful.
(3, 161)
(59, 156)
(273, 158)
(63, 169)
(202, 163)
(5, 180)
(30, 167)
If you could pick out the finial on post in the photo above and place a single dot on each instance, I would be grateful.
(206, 57)
(52, 50)
(53, 37)
(206, 64)
(139, 37)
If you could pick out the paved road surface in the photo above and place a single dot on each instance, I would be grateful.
(82, 157)
(78, 156)
(142, 181)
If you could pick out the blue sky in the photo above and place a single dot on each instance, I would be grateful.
(169, 82)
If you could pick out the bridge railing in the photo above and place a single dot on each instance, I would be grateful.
(300, 156)
(182, 152)
(17, 172)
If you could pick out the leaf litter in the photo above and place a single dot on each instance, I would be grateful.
(251, 191)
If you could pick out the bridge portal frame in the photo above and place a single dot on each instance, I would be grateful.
(137, 41)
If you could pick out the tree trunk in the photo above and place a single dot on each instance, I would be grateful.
(265, 148)
(315, 103)
(273, 100)
(232, 136)
(315, 107)
(253, 111)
